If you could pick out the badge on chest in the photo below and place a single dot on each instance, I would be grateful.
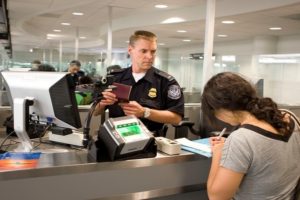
(152, 93)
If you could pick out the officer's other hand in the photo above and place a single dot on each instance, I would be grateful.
(132, 108)
(109, 98)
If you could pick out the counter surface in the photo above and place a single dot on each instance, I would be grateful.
(66, 174)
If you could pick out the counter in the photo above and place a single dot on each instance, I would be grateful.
(68, 175)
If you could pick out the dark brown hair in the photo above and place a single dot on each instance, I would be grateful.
(140, 34)
(232, 92)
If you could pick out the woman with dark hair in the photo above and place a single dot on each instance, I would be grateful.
(259, 160)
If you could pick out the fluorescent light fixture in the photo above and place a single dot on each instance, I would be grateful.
(222, 35)
(65, 23)
(277, 60)
(52, 35)
(173, 20)
(160, 6)
(275, 28)
(228, 22)
(228, 58)
(82, 37)
(77, 13)
(187, 40)
(181, 31)
(57, 30)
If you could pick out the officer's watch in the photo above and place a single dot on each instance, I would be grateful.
(147, 112)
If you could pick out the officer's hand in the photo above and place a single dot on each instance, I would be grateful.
(109, 98)
(133, 108)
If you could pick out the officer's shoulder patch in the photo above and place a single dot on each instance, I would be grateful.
(174, 92)
(164, 74)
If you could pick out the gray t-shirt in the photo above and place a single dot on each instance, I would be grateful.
(271, 163)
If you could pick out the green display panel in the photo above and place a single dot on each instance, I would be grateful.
(128, 129)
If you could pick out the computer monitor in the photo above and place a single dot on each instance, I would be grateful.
(51, 95)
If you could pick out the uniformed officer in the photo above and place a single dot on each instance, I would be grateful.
(155, 97)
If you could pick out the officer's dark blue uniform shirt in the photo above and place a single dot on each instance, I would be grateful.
(157, 90)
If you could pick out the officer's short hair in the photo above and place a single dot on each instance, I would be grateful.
(141, 34)
(75, 62)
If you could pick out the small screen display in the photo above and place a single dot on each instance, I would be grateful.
(129, 129)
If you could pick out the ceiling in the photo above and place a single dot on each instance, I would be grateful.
(32, 21)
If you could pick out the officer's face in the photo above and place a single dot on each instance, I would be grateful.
(73, 69)
(142, 54)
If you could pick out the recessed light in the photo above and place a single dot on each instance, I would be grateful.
(186, 40)
(228, 22)
(77, 13)
(65, 23)
(172, 20)
(181, 31)
(275, 28)
(82, 37)
(160, 6)
(31, 50)
(57, 30)
(222, 35)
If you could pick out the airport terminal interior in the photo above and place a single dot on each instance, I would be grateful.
(196, 39)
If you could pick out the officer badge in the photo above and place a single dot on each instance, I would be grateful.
(174, 92)
(152, 93)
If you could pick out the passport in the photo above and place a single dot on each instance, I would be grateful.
(122, 91)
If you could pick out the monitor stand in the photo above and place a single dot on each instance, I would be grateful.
(75, 138)
(21, 123)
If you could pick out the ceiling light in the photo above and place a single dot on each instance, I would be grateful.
(172, 20)
(65, 23)
(228, 22)
(222, 35)
(77, 13)
(31, 50)
(186, 40)
(181, 31)
(160, 6)
(57, 30)
(275, 28)
(161, 44)
(82, 37)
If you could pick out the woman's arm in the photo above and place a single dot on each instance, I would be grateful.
(222, 183)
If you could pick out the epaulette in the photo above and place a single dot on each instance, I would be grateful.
(116, 71)
(164, 74)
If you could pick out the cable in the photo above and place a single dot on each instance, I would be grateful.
(4, 140)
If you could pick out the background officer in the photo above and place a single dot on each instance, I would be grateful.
(155, 97)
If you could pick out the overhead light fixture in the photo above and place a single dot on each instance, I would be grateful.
(77, 13)
(187, 40)
(275, 28)
(228, 22)
(57, 30)
(31, 50)
(181, 31)
(82, 37)
(161, 44)
(173, 20)
(222, 35)
(160, 6)
(65, 23)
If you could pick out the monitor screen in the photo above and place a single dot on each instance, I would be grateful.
(53, 95)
